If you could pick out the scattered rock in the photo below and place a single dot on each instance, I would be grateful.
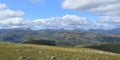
(22, 58)
(40, 52)
(53, 58)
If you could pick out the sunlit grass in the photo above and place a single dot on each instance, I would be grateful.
(11, 51)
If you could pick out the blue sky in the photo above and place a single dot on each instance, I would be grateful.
(45, 9)
(60, 14)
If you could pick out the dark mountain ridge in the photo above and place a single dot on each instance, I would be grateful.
(71, 37)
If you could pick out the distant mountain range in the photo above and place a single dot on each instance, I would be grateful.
(62, 37)
(103, 31)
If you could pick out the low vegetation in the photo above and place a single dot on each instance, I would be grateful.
(12, 51)
(111, 47)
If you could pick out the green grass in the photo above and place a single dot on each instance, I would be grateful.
(12, 51)
(111, 47)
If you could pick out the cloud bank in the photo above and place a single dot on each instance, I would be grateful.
(108, 12)
(12, 19)
(103, 7)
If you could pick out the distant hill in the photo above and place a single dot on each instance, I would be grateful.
(47, 42)
(40, 42)
(62, 37)
(104, 31)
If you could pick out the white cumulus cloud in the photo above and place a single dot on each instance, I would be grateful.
(11, 21)
(93, 5)
(7, 13)
(108, 10)
(10, 18)
(67, 21)
(2, 6)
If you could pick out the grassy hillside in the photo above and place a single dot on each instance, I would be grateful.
(111, 47)
(11, 51)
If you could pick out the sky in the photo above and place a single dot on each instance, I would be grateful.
(60, 14)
